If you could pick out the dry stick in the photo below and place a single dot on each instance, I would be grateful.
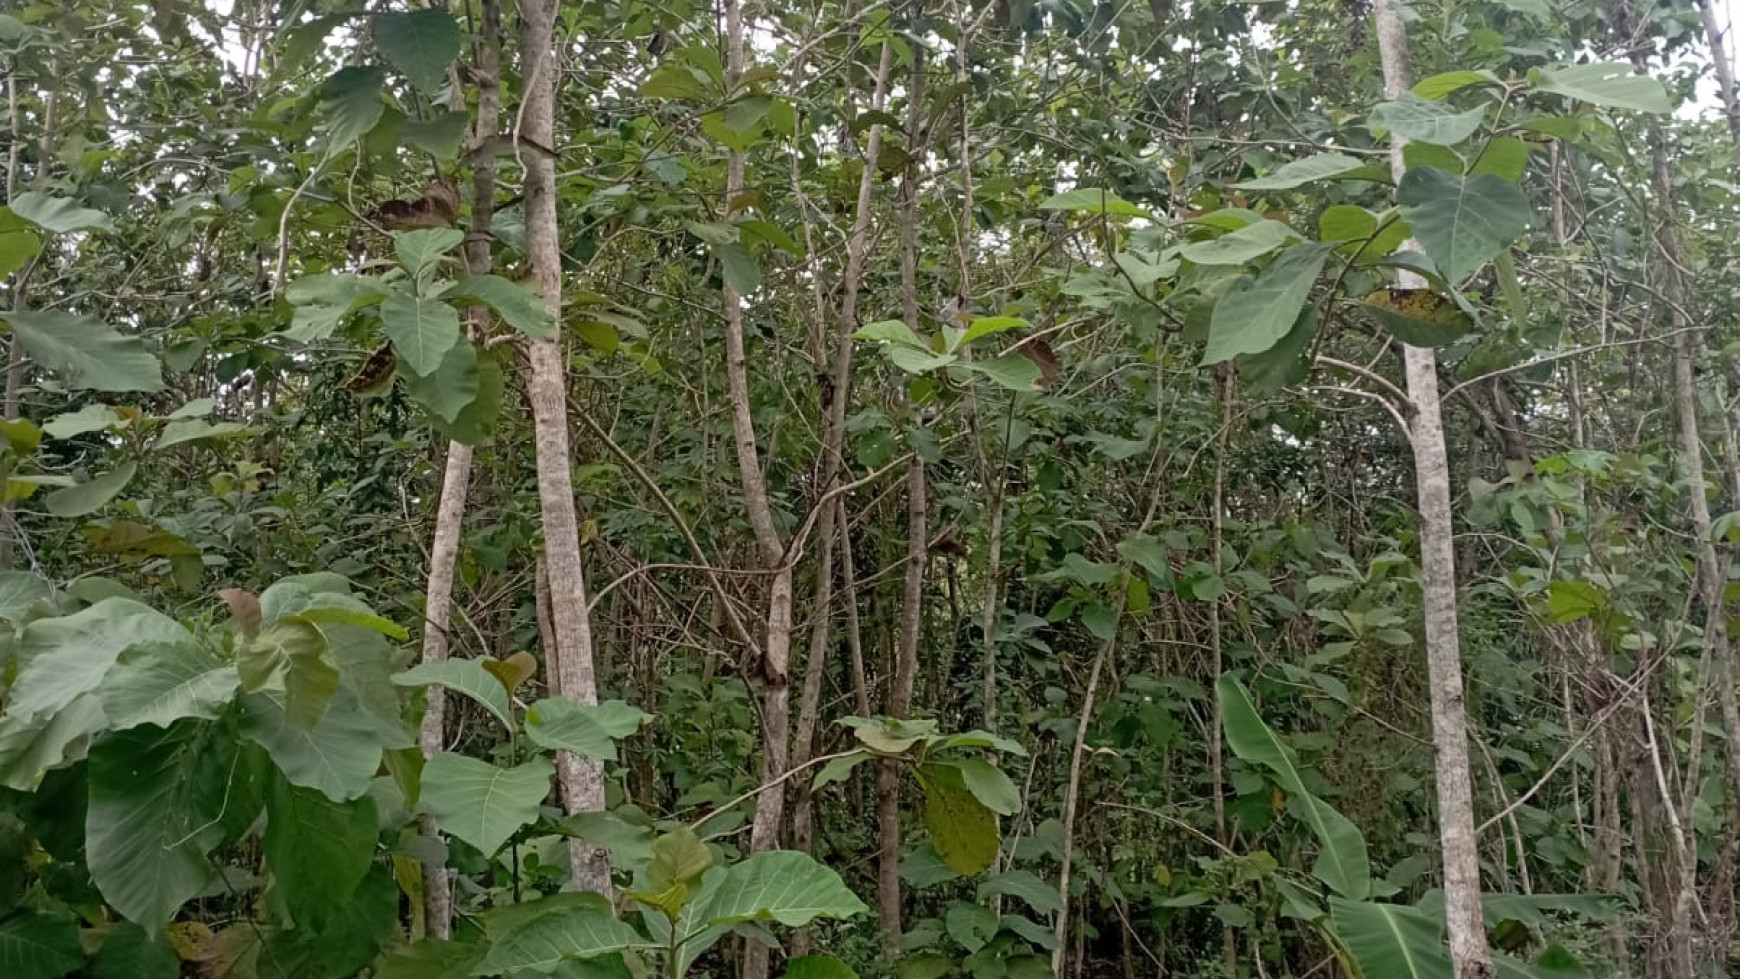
(1072, 796)
(572, 668)
(1229, 942)
(1468, 951)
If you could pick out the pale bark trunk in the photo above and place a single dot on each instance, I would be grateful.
(1718, 42)
(570, 663)
(456, 476)
(1072, 796)
(1457, 839)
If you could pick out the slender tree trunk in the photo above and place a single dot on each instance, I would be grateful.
(1455, 786)
(1718, 42)
(1072, 794)
(570, 663)
(456, 475)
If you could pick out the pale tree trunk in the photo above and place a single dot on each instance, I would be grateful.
(1457, 839)
(570, 662)
(772, 678)
(905, 673)
(1710, 576)
(456, 476)
(1718, 42)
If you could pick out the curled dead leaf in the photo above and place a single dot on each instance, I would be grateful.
(244, 608)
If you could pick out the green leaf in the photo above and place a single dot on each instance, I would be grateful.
(57, 214)
(131, 952)
(890, 331)
(1391, 940)
(818, 967)
(350, 105)
(1506, 157)
(90, 354)
(17, 248)
(985, 326)
(541, 942)
(1418, 317)
(477, 419)
(562, 725)
(91, 495)
(1440, 86)
(1301, 172)
(422, 330)
(1342, 862)
(19, 593)
(1613, 84)
(1256, 314)
(431, 959)
(963, 829)
(319, 303)
(518, 306)
(193, 429)
(480, 803)
(838, 770)
(1040, 895)
(338, 756)
(317, 850)
(1093, 200)
(157, 796)
(468, 677)
(452, 387)
(1462, 222)
(972, 926)
(1011, 371)
(1148, 552)
(38, 945)
(439, 135)
(1424, 120)
(162, 684)
(421, 251)
(989, 785)
(420, 43)
(783, 886)
(91, 418)
(740, 269)
(290, 654)
(1248, 243)
(1568, 601)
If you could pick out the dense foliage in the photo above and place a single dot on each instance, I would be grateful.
(922, 489)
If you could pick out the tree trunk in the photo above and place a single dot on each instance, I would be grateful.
(1457, 839)
(570, 663)
(1718, 42)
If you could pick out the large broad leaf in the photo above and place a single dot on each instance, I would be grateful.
(1462, 222)
(420, 43)
(52, 705)
(453, 386)
(35, 945)
(318, 850)
(818, 967)
(1301, 172)
(784, 886)
(319, 303)
(1391, 940)
(290, 654)
(131, 952)
(1238, 247)
(87, 352)
(518, 306)
(1426, 121)
(541, 939)
(1255, 314)
(562, 725)
(57, 214)
(19, 593)
(93, 494)
(157, 798)
(16, 249)
(1609, 83)
(989, 785)
(350, 103)
(162, 684)
(1040, 895)
(1342, 863)
(431, 959)
(963, 829)
(469, 677)
(422, 251)
(481, 803)
(422, 330)
(1093, 200)
(338, 756)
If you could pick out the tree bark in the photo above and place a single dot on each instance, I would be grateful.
(570, 663)
(1718, 42)
(1457, 840)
